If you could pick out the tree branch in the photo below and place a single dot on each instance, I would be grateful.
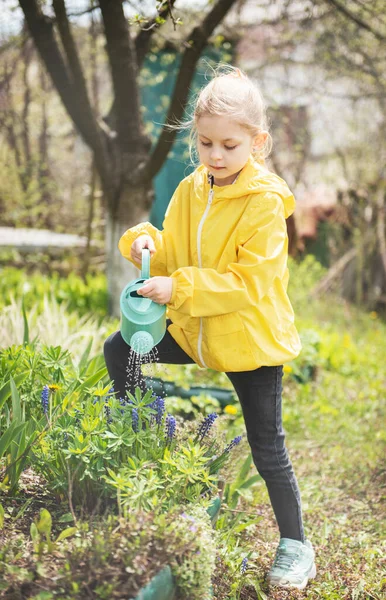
(353, 17)
(194, 46)
(8, 120)
(77, 78)
(123, 65)
(73, 63)
(41, 30)
(142, 41)
(81, 13)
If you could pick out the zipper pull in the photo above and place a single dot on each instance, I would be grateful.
(211, 194)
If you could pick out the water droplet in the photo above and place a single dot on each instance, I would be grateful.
(135, 377)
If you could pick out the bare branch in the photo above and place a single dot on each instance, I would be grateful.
(353, 17)
(8, 120)
(41, 29)
(86, 11)
(14, 41)
(74, 66)
(142, 41)
(194, 46)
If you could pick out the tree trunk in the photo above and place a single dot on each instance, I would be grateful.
(121, 271)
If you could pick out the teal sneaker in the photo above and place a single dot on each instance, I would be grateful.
(293, 565)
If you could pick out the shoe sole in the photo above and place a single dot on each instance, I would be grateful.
(299, 586)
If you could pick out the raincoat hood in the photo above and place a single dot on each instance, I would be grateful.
(254, 178)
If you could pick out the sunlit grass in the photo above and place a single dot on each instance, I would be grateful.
(54, 325)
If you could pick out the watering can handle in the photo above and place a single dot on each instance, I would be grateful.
(145, 268)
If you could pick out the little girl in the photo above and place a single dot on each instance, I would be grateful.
(220, 266)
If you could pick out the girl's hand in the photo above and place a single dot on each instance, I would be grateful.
(159, 289)
(143, 241)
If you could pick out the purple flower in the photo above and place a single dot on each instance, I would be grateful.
(170, 427)
(206, 425)
(45, 398)
(233, 443)
(244, 565)
(134, 420)
(153, 406)
(160, 408)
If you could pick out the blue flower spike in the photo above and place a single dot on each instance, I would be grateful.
(160, 408)
(45, 399)
(170, 427)
(134, 420)
(244, 566)
(233, 443)
(206, 425)
(108, 413)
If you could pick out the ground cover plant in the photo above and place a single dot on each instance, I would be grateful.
(103, 457)
(107, 557)
(334, 411)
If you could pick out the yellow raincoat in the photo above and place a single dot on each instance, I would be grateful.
(226, 251)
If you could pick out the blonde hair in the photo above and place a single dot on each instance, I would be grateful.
(231, 93)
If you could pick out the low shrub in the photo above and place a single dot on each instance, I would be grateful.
(110, 558)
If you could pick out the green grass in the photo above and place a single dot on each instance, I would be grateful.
(336, 437)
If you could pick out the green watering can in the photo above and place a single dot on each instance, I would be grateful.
(143, 322)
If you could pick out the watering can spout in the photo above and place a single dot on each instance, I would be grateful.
(143, 322)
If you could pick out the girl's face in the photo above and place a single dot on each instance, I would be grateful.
(224, 146)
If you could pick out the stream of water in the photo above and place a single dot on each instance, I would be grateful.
(134, 368)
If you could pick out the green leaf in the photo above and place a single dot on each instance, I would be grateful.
(1, 516)
(5, 390)
(66, 518)
(260, 594)
(44, 524)
(242, 526)
(243, 471)
(16, 405)
(10, 435)
(84, 357)
(66, 533)
(25, 321)
(34, 533)
(251, 481)
(88, 383)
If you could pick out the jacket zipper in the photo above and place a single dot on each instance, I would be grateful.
(199, 231)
